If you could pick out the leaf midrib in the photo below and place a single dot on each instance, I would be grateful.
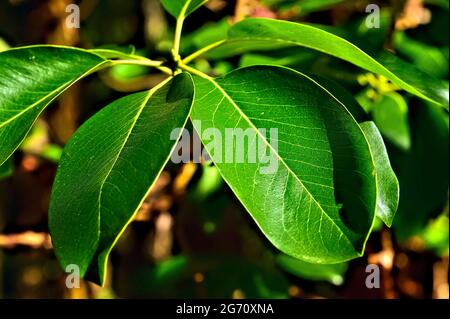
(136, 118)
(102, 185)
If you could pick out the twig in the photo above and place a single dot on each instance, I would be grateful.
(29, 239)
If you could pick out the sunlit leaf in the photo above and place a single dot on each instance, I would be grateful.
(251, 34)
(319, 201)
(30, 79)
(107, 169)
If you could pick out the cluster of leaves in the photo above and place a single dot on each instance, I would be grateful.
(334, 176)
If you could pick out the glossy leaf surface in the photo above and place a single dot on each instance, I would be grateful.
(30, 79)
(252, 33)
(314, 195)
(107, 169)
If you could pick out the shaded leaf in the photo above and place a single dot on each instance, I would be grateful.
(428, 58)
(333, 273)
(435, 235)
(390, 114)
(221, 277)
(387, 183)
(205, 35)
(422, 171)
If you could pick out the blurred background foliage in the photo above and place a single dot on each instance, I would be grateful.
(191, 237)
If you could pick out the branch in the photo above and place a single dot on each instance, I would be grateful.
(29, 239)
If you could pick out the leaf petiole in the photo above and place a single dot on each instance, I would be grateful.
(191, 70)
(178, 31)
(202, 51)
(144, 62)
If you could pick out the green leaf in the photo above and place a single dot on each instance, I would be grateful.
(292, 57)
(428, 58)
(387, 183)
(256, 31)
(423, 171)
(303, 7)
(30, 79)
(174, 7)
(333, 273)
(6, 169)
(441, 3)
(222, 275)
(315, 197)
(207, 34)
(52, 153)
(435, 235)
(388, 189)
(127, 72)
(107, 169)
(390, 114)
(114, 51)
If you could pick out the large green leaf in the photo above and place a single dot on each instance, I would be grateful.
(107, 169)
(30, 79)
(252, 33)
(318, 204)
(174, 7)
